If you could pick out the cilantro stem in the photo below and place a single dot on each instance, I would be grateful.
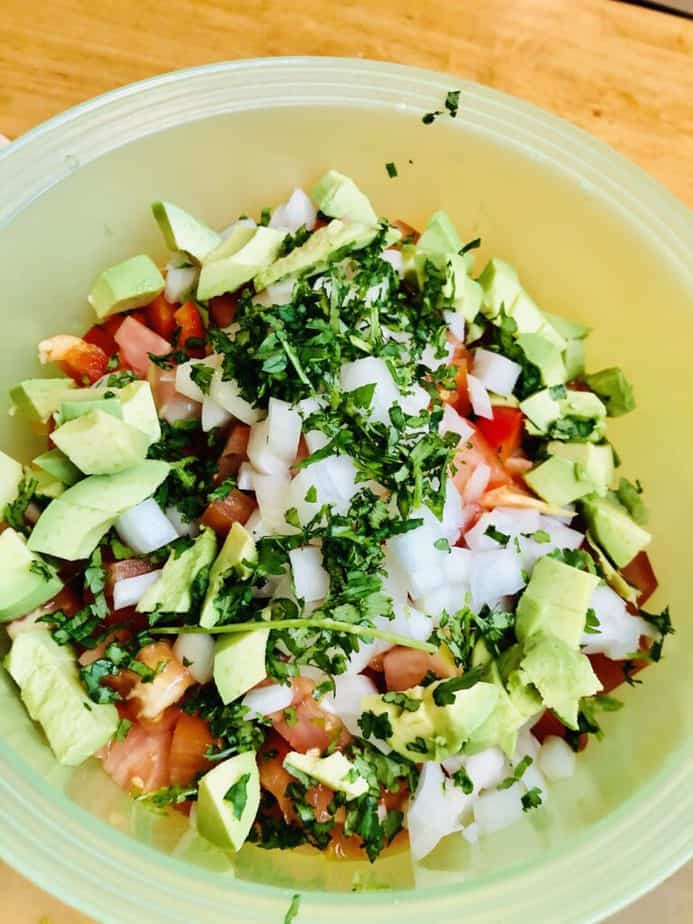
(334, 625)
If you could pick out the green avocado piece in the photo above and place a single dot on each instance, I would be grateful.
(26, 581)
(49, 684)
(439, 236)
(569, 330)
(574, 359)
(239, 663)
(38, 399)
(433, 732)
(71, 410)
(615, 531)
(127, 285)
(139, 409)
(228, 800)
(466, 293)
(559, 481)
(72, 525)
(46, 485)
(183, 232)
(555, 602)
(57, 464)
(546, 412)
(510, 713)
(613, 578)
(561, 674)
(172, 592)
(337, 196)
(542, 409)
(237, 549)
(595, 460)
(321, 246)
(614, 389)
(100, 444)
(223, 272)
(11, 474)
(334, 771)
(546, 356)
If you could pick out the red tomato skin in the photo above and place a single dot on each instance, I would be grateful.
(84, 362)
(235, 452)
(160, 315)
(136, 341)
(191, 741)
(313, 728)
(222, 514)
(640, 574)
(100, 337)
(504, 432)
(190, 327)
(471, 453)
(222, 309)
(405, 667)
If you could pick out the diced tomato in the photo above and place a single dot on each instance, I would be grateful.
(503, 432)
(166, 688)
(99, 336)
(136, 342)
(82, 361)
(612, 674)
(67, 600)
(235, 452)
(408, 232)
(89, 655)
(406, 667)
(222, 514)
(222, 309)
(319, 797)
(640, 574)
(140, 761)
(473, 452)
(121, 570)
(190, 328)
(191, 741)
(171, 405)
(160, 315)
(302, 452)
(549, 724)
(273, 777)
(313, 728)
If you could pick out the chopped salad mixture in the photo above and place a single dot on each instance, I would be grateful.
(326, 545)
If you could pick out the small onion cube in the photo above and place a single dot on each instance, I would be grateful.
(556, 759)
(494, 811)
(477, 484)
(266, 700)
(478, 395)
(455, 322)
(129, 591)
(196, 652)
(311, 581)
(180, 282)
(495, 372)
(283, 430)
(260, 454)
(145, 528)
(298, 212)
(213, 415)
(395, 259)
(453, 422)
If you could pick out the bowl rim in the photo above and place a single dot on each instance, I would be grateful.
(643, 818)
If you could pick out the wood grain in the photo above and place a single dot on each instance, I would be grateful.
(622, 72)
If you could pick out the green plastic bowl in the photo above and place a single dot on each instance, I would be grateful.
(595, 239)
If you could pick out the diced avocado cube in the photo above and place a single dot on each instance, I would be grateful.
(11, 474)
(127, 285)
(56, 464)
(559, 481)
(139, 409)
(37, 399)
(615, 531)
(26, 582)
(183, 232)
(574, 359)
(225, 273)
(312, 256)
(510, 713)
(555, 602)
(228, 800)
(561, 674)
(468, 294)
(546, 356)
(569, 330)
(596, 461)
(46, 485)
(71, 410)
(239, 663)
(439, 236)
(72, 525)
(49, 684)
(100, 444)
(334, 771)
(541, 409)
(173, 591)
(630, 497)
(614, 389)
(338, 196)
(237, 552)
(613, 578)
(501, 286)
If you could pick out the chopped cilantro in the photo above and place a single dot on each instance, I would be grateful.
(15, 511)
(292, 910)
(442, 545)
(121, 732)
(265, 216)
(541, 536)
(237, 795)
(290, 716)
(591, 622)
(531, 799)
(405, 703)
(462, 780)
(375, 726)
(444, 693)
(452, 102)
(201, 374)
(42, 569)
(311, 495)
(497, 536)
(391, 169)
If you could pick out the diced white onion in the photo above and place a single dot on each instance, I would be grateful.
(507, 520)
(455, 322)
(495, 372)
(435, 810)
(315, 439)
(494, 575)
(272, 495)
(246, 477)
(455, 423)
(129, 591)
(350, 690)
(184, 383)
(334, 480)
(311, 581)
(477, 483)
(283, 430)
(180, 281)
(372, 371)
(280, 293)
(618, 633)
(266, 700)
(298, 212)
(471, 833)
(213, 415)
(432, 361)
(494, 811)
(179, 524)
(261, 456)
(179, 408)
(240, 223)
(145, 528)
(416, 400)
(486, 768)
(478, 395)
(196, 651)
(416, 556)
(395, 259)
(227, 394)
(556, 759)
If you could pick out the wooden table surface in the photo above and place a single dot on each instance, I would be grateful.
(622, 72)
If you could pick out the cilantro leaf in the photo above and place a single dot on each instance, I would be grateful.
(237, 795)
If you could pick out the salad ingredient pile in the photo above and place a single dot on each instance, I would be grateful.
(326, 545)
